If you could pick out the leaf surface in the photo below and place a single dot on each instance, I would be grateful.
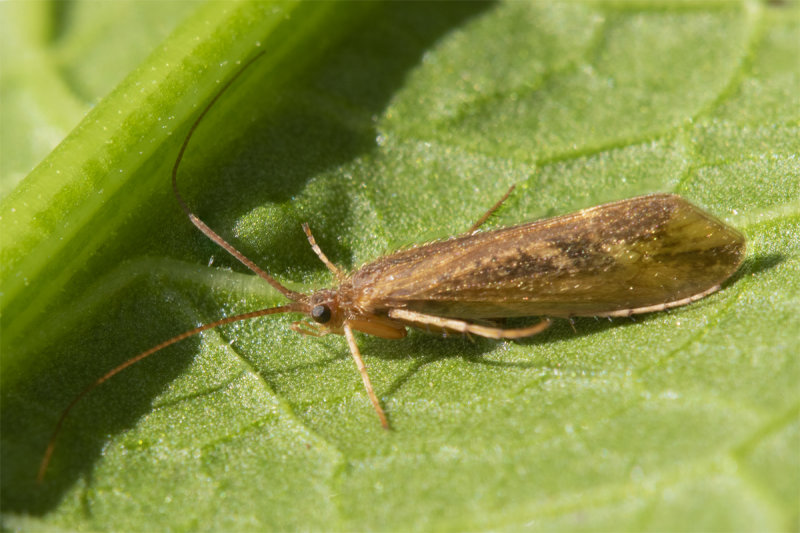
(382, 126)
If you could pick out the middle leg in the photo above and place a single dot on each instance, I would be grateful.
(492, 210)
(461, 326)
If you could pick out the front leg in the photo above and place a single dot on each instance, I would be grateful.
(362, 369)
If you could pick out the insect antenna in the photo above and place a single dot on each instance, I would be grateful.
(299, 301)
(199, 224)
(147, 353)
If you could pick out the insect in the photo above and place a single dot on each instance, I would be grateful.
(639, 255)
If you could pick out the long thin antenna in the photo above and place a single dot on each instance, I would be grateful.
(147, 353)
(199, 224)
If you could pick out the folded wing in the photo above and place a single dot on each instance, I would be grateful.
(630, 254)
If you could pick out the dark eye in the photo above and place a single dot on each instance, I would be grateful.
(321, 314)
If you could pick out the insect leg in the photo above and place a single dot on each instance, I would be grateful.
(362, 369)
(661, 307)
(491, 210)
(462, 326)
(317, 250)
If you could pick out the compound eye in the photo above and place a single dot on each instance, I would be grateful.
(321, 314)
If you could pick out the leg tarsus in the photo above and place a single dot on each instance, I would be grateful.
(317, 250)
(491, 210)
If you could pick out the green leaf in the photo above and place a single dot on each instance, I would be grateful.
(384, 125)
